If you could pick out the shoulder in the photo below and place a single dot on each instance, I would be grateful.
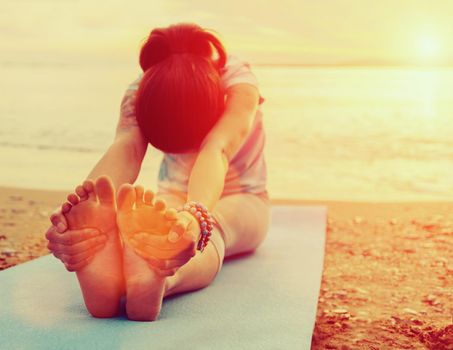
(134, 85)
(237, 71)
(235, 65)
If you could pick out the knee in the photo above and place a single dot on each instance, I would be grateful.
(259, 239)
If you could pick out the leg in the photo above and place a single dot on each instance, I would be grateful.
(230, 236)
(138, 214)
(101, 281)
(243, 220)
(201, 270)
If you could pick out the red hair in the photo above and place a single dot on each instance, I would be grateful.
(180, 96)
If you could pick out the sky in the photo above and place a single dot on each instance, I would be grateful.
(278, 32)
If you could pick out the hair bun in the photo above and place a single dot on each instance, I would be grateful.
(178, 39)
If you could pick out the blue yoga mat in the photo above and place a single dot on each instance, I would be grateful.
(263, 300)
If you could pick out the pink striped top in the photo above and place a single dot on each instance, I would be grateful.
(247, 170)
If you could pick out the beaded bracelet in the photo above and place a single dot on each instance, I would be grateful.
(205, 220)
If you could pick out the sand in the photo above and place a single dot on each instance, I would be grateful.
(388, 271)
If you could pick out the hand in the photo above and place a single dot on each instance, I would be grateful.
(75, 248)
(185, 227)
(176, 248)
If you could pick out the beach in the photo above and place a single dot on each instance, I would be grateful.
(357, 114)
(372, 144)
(388, 268)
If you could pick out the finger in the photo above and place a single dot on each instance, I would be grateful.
(50, 232)
(53, 247)
(83, 246)
(190, 235)
(75, 259)
(173, 237)
(162, 263)
(190, 246)
(179, 253)
(74, 236)
(180, 226)
(178, 229)
(148, 250)
(144, 246)
(157, 241)
(80, 265)
(59, 221)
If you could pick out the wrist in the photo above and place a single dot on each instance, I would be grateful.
(204, 219)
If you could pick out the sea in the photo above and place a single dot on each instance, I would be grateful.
(332, 133)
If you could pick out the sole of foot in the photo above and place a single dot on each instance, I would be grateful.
(139, 215)
(92, 205)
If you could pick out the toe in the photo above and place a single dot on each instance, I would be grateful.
(73, 198)
(104, 190)
(66, 207)
(88, 186)
(126, 197)
(59, 221)
(171, 214)
(81, 193)
(160, 204)
(149, 196)
(139, 190)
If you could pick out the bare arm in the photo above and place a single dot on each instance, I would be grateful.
(208, 173)
(123, 159)
(122, 162)
(207, 178)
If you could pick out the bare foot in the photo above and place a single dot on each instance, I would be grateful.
(138, 216)
(102, 282)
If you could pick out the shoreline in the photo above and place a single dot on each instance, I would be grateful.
(387, 276)
(274, 201)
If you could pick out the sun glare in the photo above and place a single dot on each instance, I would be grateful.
(428, 48)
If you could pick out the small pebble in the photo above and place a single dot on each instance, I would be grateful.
(410, 311)
(441, 260)
(8, 251)
(358, 220)
(409, 251)
(430, 297)
(360, 290)
(340, 311)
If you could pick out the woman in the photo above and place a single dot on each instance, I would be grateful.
(201, 108)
